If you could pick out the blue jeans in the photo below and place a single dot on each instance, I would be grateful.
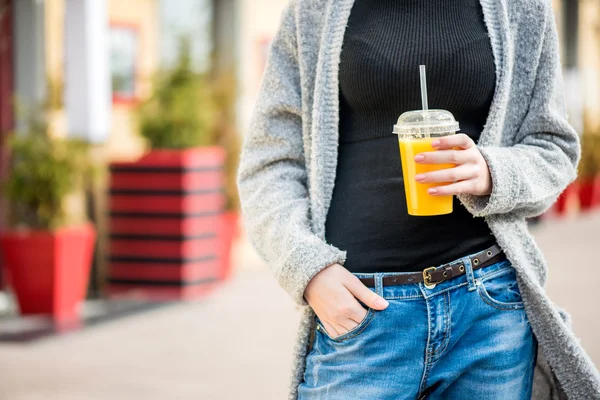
(465, 338)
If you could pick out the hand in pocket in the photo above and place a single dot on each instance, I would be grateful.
(334, 293)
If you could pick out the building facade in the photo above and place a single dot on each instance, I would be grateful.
(95, 59)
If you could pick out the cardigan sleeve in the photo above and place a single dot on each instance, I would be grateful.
(528, 176)
(272, 177)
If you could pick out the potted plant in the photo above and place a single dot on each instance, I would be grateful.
(166, 207)
(589, 172)
(47, 254)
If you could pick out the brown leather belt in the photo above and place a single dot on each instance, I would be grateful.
(434, 275)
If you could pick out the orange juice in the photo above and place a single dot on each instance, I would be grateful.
(418, 200)
(416, 130)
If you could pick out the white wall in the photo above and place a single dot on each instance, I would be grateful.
(87, 75)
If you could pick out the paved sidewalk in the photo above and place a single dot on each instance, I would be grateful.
(237, 344)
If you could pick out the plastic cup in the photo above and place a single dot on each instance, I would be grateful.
(416, 130)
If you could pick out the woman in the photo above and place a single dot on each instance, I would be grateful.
(414, 307)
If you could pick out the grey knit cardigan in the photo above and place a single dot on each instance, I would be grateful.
(288, 165)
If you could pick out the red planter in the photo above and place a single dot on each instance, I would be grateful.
(570, 193)
(190, 271)
(229, 232)
(163, 246)
(589, 193)
(49, 271)
(166, 237)
(154, 201)
(164, 224)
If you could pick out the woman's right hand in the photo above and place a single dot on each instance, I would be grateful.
(333, 294)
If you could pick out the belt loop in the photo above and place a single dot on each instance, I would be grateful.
(469, 272)
(379, 283)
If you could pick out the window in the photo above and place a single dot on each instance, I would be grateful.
(191, 19)
(123, 55)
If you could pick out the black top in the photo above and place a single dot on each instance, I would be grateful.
(384, 44)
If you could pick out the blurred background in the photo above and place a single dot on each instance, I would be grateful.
(125, 272)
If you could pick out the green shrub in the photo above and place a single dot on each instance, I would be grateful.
(42, 172)
(180, 113)
(225, 132)
(589, 166)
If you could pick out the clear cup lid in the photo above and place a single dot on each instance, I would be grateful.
(426, 122)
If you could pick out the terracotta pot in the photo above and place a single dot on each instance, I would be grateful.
(49, 271)
(589, 193)
(165, 212)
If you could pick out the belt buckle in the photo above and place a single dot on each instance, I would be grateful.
(427, 278)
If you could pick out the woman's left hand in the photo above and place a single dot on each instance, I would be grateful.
(470, 175)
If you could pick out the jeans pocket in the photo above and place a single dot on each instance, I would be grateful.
(500, 290)
(357, 330)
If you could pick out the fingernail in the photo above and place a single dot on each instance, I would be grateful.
(435, 143)
(381, 302)
(419, 158)
(419, 177)
(432, 191)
